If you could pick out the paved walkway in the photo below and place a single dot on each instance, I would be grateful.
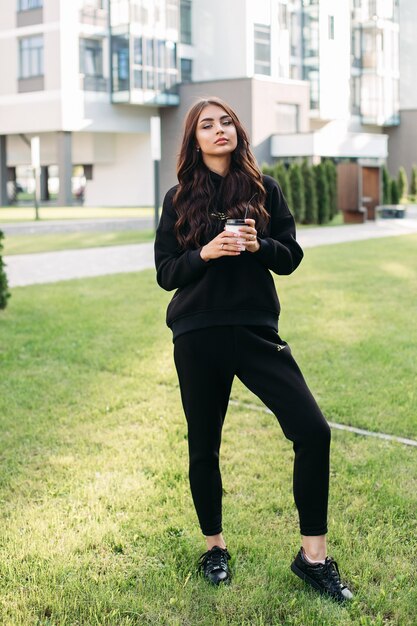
(45, 227)
(51, 267)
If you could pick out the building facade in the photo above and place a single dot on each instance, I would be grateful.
(86, 77)
(309, 78)
(403, 138)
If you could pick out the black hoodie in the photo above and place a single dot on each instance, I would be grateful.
(229, 290)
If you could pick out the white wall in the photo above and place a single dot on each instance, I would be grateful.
(126, 181)
(335, 60)
(220, 39)
(408, 53)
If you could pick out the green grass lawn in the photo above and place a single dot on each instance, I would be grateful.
(27, 213)
(26, 244)
(97, 523)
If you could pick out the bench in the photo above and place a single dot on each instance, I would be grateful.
(391, 210)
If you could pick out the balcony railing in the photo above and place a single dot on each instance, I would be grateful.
(94, 16)
(94, 83)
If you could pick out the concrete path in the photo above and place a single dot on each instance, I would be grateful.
(45, 227)
(51, 267)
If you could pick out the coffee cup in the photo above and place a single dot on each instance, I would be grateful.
(232, 226)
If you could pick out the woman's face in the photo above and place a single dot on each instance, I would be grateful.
(215, 133)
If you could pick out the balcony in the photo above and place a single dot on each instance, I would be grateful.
(94, 16)
(94, 83)
(144, 70)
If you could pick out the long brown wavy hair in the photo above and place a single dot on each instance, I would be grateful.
(196, 195)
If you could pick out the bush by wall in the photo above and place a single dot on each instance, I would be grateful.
(386, 186)
(331, 174)
(395, 196)
(413, 184)
(297, 192)
(323, 196)
(281, 175)
(4, 292)
(402, 183)
(310, 190)
(310, 194)
(267, 169)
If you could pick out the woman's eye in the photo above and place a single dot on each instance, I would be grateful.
(207, 126)
(227, 122)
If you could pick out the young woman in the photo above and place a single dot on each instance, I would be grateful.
(224, 319)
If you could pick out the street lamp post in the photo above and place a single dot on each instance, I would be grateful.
(156, 157)
(36, 167)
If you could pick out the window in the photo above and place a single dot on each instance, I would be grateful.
(356, 47)
(312, 75)
(331, 26)
(27, 5)
(172, 14)
(262, 50)
(91, 57)
(171, 55)
(186, 70)
(283, 16)
(185, 21)
(137, 79)
(149, 52)
(94, 4)
(356, 95)
(154, 61)
(31, 56)
(137, 51)
(120, 63)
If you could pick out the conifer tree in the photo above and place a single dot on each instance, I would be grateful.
(395, 196)
(281, 175)
(4, 292)
(386, 186)
(322, 187)
(402, 183)
(310, 194)
(267, 169)
(331, 173)
(413, 185)
(297, 192)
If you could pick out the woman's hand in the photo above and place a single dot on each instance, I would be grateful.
(225, 244)
(250, 235)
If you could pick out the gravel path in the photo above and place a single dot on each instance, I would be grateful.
(51, 267)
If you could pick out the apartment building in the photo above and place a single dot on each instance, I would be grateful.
(309, 78)
(403, 137)
(260, 54)
(86, 76)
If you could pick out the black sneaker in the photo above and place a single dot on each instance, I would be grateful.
(213, 564)
(323, 577)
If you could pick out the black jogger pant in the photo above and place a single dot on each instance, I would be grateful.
(207, 361)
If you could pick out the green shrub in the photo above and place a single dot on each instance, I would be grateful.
(386, 186)
(331, 173)
(323, 200)
(281, 175)
(267, 169)
(402, 183)
(297, 192)
(395, 196)
(4, 292)
(310, 194)
(413, 185)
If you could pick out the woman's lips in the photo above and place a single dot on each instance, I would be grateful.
(222, 140)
